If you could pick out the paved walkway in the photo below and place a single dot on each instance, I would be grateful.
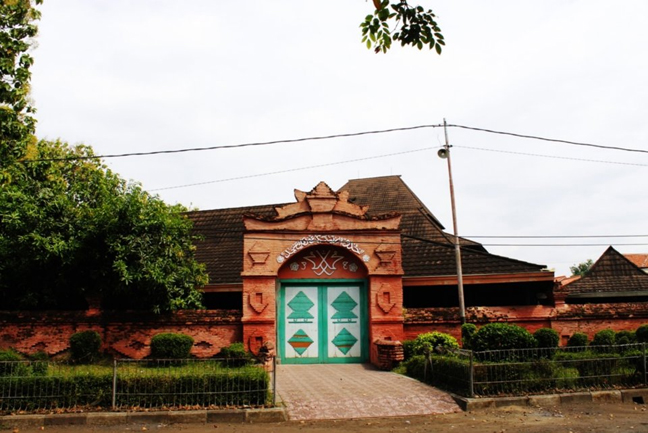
(337, 391)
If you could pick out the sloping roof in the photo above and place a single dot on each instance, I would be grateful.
(641, 260)
(220, 247)
(612, 275)
(427, 249)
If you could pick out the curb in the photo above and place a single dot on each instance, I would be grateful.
(160, 417)
(638, 396)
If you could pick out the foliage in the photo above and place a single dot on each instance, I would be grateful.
(203, 384)
(578, 339)
(413, 26)
(87, 232)
(432, 341)
(642, 334)
(547, 337)
(408, 349)
(5, 357)
(69, 227)
(625, 337)
(235, 355)
(502, 336)
(84, 347)
(581, 268)
(603, 340)
(171, 346)
(17, 30)
(467, 332)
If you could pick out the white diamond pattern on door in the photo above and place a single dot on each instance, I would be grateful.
(301, 327)
(343, 322)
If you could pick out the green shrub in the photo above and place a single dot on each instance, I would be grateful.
(7, 365)
(431, 341)
(171, 346)
(578, 339)
(591, 366)
(39, 363)
(235, 355)
(502, 336)
(566, 377)
(408, 349)
(642, 334)
(547, 338)
(84, 347)
(603, 340)
(91, 386)
(625, 337)
(467, 332)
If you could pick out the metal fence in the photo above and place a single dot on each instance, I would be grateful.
(136, 384)
(538, 371)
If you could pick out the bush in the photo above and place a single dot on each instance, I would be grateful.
(171, 346)
(430, 341)
(235, 355)
(84, 347)
(502, 336)
(547, 338)
(7, 356)
(625, 337)
(408, 349)
(578, 339)
(642, 334)
(467, 332)
(606, 337)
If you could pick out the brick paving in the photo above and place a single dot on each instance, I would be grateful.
(343, 391)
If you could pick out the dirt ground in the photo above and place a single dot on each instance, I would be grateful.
(575, 418)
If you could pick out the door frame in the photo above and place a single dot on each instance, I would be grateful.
(323, 324)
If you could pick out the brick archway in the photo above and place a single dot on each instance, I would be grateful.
(318, 234)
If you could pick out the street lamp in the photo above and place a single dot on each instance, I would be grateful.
(444, 153)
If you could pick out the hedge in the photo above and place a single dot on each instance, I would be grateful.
(171, 346)
(204, 384)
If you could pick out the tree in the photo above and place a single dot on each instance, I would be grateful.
(413, 26)
(17, 30)
(581, 268)
(72, 229)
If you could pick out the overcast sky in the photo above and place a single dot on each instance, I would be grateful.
(137, 76)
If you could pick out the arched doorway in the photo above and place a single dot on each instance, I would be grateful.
(322, 313)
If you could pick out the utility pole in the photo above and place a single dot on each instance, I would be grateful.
(444, 153)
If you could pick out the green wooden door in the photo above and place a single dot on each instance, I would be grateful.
(322, 323)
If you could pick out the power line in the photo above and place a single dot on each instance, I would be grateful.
(553, 140)
(551, 156)
(236, 146)
(289, 170)
(333, 136)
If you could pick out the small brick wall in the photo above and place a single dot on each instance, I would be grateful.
(124, 334)
(565, 319)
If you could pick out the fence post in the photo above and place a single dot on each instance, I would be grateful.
(114, 385)
(274, 381)
(472, 376)
(643, 355)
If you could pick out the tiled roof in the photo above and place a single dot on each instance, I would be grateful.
(221, 246)
(427, 249)
(612, 274)
(641, 260)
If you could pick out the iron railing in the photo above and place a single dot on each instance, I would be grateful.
(538, 371)
(136, 384)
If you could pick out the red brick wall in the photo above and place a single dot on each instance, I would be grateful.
(565, 319)
(125, 334)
